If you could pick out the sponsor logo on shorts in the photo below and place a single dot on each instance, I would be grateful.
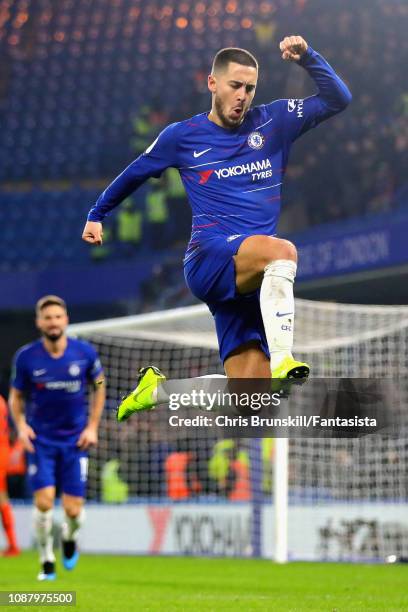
(83, 466)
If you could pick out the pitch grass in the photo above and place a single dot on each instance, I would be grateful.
(112, 583)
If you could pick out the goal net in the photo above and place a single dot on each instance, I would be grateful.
(317, 498)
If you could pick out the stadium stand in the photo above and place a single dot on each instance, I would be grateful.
(59, 54)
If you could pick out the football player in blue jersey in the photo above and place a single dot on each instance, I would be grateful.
(232, 162)
(49, 406)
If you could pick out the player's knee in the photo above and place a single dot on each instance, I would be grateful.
(284, 250)
(72, 510)
(277, 248)
(44, 503)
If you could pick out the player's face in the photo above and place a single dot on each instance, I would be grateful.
(52, 321)
(233, 90)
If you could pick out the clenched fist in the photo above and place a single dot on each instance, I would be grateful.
(293, 47)
(93, 232)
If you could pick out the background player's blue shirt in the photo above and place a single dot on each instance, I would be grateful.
(55, 389)
(233, 178)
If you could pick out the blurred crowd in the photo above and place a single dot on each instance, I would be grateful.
(149, 65)
(356, 164)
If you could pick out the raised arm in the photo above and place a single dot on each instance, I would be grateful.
(333, 94)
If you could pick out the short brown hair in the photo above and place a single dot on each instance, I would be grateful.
(233, 54)
(49, 300)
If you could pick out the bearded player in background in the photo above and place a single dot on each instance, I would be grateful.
(49, 405)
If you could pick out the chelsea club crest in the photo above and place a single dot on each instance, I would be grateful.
(74, 369)
(256, 140)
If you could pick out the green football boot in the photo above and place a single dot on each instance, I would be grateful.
(289, 372)
(144, 396)
(290, 368)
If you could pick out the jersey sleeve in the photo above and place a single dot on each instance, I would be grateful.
(19, 373)
(161, 154)
(300, 115)
(94, 369)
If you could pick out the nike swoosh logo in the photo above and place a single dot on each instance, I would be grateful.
(39, 372)
(283, 314)
(201, 152)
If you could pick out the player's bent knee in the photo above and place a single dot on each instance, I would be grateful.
(276, 248)
(290, 250)
(73, 510)
(281, 249)
(44, 503)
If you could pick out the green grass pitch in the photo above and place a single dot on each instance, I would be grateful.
(112, 583)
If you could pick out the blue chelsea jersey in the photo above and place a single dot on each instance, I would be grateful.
(233, 177)
(55, 388)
